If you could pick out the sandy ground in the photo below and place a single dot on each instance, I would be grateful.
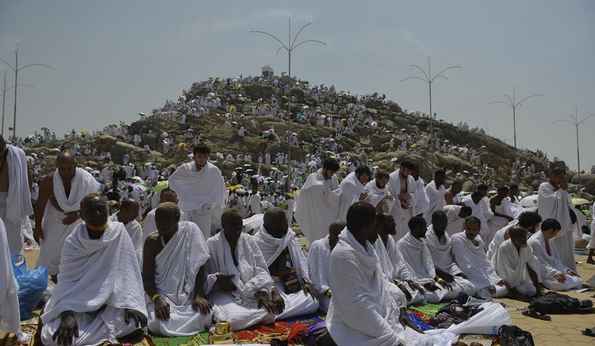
(561, 330)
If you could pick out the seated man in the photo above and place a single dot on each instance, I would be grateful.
(415, 252)
(173, 275)
(402, 273)
(10, 318)
(363, 311)
(287, 264)
(129, 210)
(438, 242)
(319, 263)
(528, 220)
(469, 253)
(514, 264)
(97, 296)
(554, 274)
(149, 227)
(238, 283)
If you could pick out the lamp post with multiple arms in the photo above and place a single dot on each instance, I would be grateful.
(429, 80)
(4, 90)
(576, 122)
(513, 104)
(289, 48)
(16, 70)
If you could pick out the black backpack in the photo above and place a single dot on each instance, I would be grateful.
(512, 336)
(556, 303)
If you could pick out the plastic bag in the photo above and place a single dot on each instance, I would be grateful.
(32, 284)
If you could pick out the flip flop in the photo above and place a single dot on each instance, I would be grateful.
(533, 314)
(589, 332)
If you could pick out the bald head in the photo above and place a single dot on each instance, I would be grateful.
(275, 222)
(66, 166)
(94, 212)
(65, 157)
(129, 210)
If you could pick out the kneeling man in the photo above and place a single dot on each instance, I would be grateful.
(287, 264)
(97, 296)
(173, 274)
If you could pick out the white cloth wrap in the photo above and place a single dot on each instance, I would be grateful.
(362, 310)
(176, 268)
(441, 252)
(197, 188)
(319, 266)
(135, 232)
(423, 202)
(499, 238)
(511, 264)
(10, 318)
(317, 205)
(350, 190)
(19, 194)
(436, 198)
(414, 250)
(376, 194)
(82, 184)
(473, 262)
(401, 215)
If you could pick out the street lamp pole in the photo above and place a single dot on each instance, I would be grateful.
(4, 90)
(575, 121)
(513, 104)
(429, 79)
(289, 47)
(16, 70)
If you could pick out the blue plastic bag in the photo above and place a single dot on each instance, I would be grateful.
(32, 284)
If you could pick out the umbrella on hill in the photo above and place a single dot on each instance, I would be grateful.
(161, 185)
(579, 201)
(529, 201)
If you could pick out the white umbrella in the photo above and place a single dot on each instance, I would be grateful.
(529, 201)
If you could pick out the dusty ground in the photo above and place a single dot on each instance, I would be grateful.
(561, 330)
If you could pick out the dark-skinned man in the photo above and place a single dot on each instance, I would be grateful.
(54, 221)
(514, 264)
(363, 310)
(503, 214)
(129, 210)
(97, 297)
(438, 242)
(287, 264)
(402, 273)
(319, 263)
(174, 275)
(416, 253)
(238, 282)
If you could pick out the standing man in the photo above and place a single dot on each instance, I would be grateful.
(15, 187)
(64, 189)
(423, 202)
(402, 185)
(352, 189)
(318, 203)
(554, 203)
(200, 188)
(452, 195)
(435, 191)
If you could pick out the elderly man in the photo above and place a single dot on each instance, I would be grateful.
(402, 185)
(15, 193)
(438, 243)
(554, 274)
(554, 202)
(318, 202)
(416, 253)
(397, 269)
(10, 318)
(238, 283)
(435, 191)
(514, 264)
(469, 253)
(97, 296)
(174, 275)
(319, 263)
(200, 188)
(129, 210)
(378, 194)
(528, 220)
(352, 189)
(55, 221)
(287, 264)
(363, 310)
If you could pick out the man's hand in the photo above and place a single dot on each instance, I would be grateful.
(404, 197)
(389, 197)
(445, 284)
(572, 273)
(417, 286)
(140, 320)
(200, 303)
(492, 291)
(161, 309)
(38, 233)
(278, 300)
(309, 290)
(363, 196)
(271, 306)
(224, 282)
(463, 276)
(70, 218)
(68, 329)
(431, 286)
(444, 276)
(406, 321)
(560, 277)
(405, 291)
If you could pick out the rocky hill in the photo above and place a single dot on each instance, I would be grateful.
(390, 121)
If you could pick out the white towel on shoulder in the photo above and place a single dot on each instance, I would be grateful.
(19, 194)
(82, 184)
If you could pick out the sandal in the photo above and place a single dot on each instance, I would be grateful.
(589, 332)
(532, 313)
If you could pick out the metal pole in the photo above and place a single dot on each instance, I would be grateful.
(289, 112)
(578, 155)
(3, 102)
(16, 82)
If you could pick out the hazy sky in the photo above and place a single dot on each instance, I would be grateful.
(114, 59)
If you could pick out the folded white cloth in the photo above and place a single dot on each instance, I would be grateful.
(197, 188)
(441, 252)
(511, 264)
(82, 184)
(10, 318)
(19, 194)
(376, 194)
(436, 198)
(473, 262)
(135, 231)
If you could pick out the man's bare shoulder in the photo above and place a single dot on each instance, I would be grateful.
(48, 179)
